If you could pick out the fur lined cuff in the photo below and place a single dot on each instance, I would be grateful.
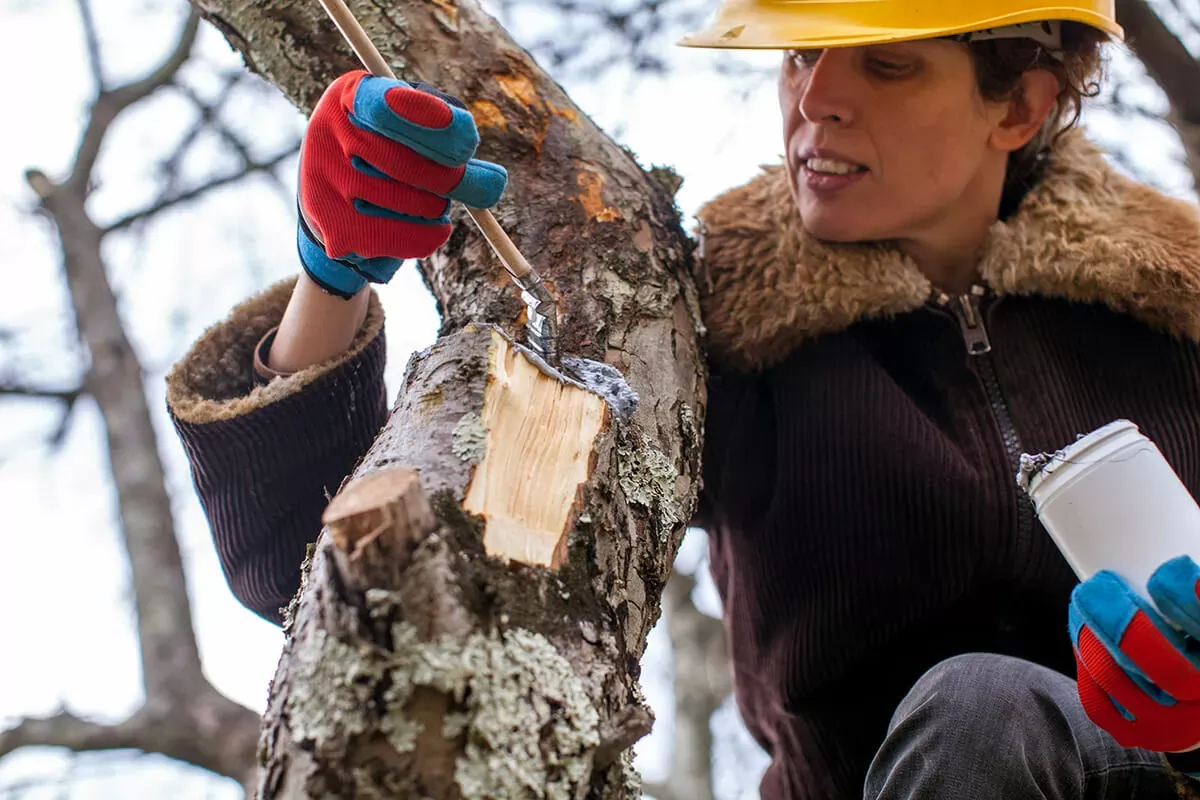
(215, 380)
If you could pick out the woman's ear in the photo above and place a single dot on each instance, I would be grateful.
(1030, 105)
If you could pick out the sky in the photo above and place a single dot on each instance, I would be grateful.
(66, 629)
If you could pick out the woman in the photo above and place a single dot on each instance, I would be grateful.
(941, 276)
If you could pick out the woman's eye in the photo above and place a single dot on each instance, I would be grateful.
(805, 58)
(888, 68)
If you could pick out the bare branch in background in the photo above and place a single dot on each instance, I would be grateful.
(1172, 67)
(633, 35)
(66, 730)
(109, 104)
(210, 119)
(182, 716)
(1166, 58)
(148, 731)
(92, 42)
(68, 396)
(248, 169)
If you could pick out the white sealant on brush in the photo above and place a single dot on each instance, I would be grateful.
(591, 376)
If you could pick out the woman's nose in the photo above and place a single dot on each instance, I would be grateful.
(824, 91)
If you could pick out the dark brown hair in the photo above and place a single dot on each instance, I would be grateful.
(999, 64)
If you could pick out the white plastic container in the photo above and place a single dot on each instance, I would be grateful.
(1111, 501)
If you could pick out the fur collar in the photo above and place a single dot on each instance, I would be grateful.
(1084, 233)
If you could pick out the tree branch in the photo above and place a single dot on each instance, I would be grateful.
(210, 112)
(209, 731)
(183, 716)
(93, 45)
(1166, 58)
(110, 104)
(180, 703)
(209, 117)
(193, 194)
(67, 730)
(68, 396)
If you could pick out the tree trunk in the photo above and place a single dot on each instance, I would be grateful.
(476, 632)
(702, 681)
(182, 716)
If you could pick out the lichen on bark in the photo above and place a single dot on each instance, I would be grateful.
(469, 439)
(529, 723)
(533, 726)
(334, 682)
(647, 477)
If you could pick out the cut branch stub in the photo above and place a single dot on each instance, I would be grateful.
(534, 442)
(376, 522)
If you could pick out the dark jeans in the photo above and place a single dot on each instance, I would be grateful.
(981, 726)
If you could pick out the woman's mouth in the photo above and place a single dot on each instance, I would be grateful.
(826, 175)
(832, 166)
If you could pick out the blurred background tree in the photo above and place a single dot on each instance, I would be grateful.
(147, 185)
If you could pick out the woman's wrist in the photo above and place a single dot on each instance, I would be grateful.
(316, 326)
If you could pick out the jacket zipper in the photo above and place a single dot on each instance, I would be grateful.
(967, 310)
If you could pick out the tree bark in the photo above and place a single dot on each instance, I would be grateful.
(452, 670)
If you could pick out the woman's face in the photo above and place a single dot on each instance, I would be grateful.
(890, 141)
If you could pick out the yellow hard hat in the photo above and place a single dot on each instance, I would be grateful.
(817, 24)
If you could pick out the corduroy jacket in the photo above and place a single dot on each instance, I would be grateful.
(861, 441)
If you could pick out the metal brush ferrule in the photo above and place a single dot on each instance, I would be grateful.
(542, 311)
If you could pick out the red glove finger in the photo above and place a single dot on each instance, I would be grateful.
(1100, 708)
(388, 194)
(1155, 726)
(328, 185)
(395, 160)
(1160, 659)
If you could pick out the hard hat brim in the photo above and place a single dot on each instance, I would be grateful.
(784, 30)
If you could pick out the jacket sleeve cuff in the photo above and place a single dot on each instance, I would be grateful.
(218, 379)
(266, 458)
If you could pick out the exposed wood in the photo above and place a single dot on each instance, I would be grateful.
(535, 437)
(376, 523)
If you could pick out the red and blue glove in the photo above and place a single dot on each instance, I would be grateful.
(1139, 677)
(381, 161)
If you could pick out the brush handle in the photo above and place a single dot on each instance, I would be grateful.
(374, 61)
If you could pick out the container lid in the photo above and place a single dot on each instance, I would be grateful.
(1036, 468)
